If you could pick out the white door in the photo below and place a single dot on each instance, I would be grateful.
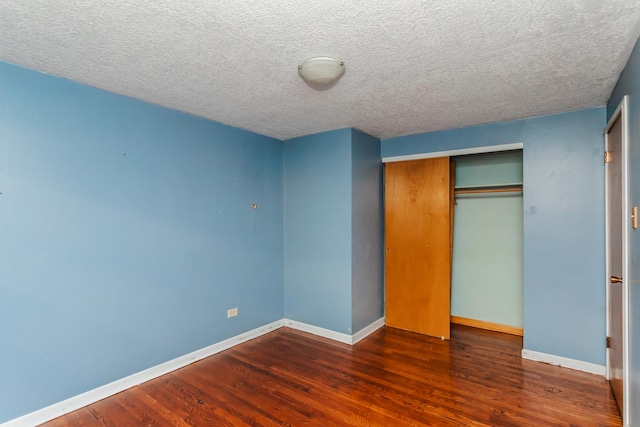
(616, 229)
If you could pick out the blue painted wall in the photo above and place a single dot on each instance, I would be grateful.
(629, 84)
(367, 226)
(126, 232)
(333, 230)
(317, 231)
(564, 300)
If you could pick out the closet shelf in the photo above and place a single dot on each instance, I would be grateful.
(490, 189)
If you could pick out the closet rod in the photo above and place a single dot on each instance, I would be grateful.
(494, 189)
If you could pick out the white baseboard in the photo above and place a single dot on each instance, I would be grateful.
(565, 362)
(333, 335)
(367, 330)
(69, 405)
(74, 403)
(316, 330)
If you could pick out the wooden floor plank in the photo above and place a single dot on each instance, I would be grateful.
(363, 390)
(393, 377)
(81, 417)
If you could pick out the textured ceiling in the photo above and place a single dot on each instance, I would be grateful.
(412, 66)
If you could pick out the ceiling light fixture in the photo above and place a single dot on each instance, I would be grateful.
(321, 71)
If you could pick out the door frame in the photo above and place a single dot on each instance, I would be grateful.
(456, 152)
(453, 153)
(621, 112)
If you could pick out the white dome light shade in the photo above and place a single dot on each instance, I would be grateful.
(321, 70)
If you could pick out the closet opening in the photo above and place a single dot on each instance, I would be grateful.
(487, 283)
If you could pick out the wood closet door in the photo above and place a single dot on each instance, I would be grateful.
(418, 246)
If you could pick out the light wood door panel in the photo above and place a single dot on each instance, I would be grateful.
(418, 246)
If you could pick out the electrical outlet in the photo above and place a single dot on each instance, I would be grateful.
(232, 312)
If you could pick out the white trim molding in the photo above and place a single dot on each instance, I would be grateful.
(565, 362)
(367, 330)
(74, 403)
(333, 335)
(316, 330)
(457, 152)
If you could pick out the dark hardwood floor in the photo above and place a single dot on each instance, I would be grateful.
(392, 378)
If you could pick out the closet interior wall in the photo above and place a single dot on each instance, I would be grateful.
(487, 265)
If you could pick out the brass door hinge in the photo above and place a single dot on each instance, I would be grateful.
(608, 342)
(608, 158)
